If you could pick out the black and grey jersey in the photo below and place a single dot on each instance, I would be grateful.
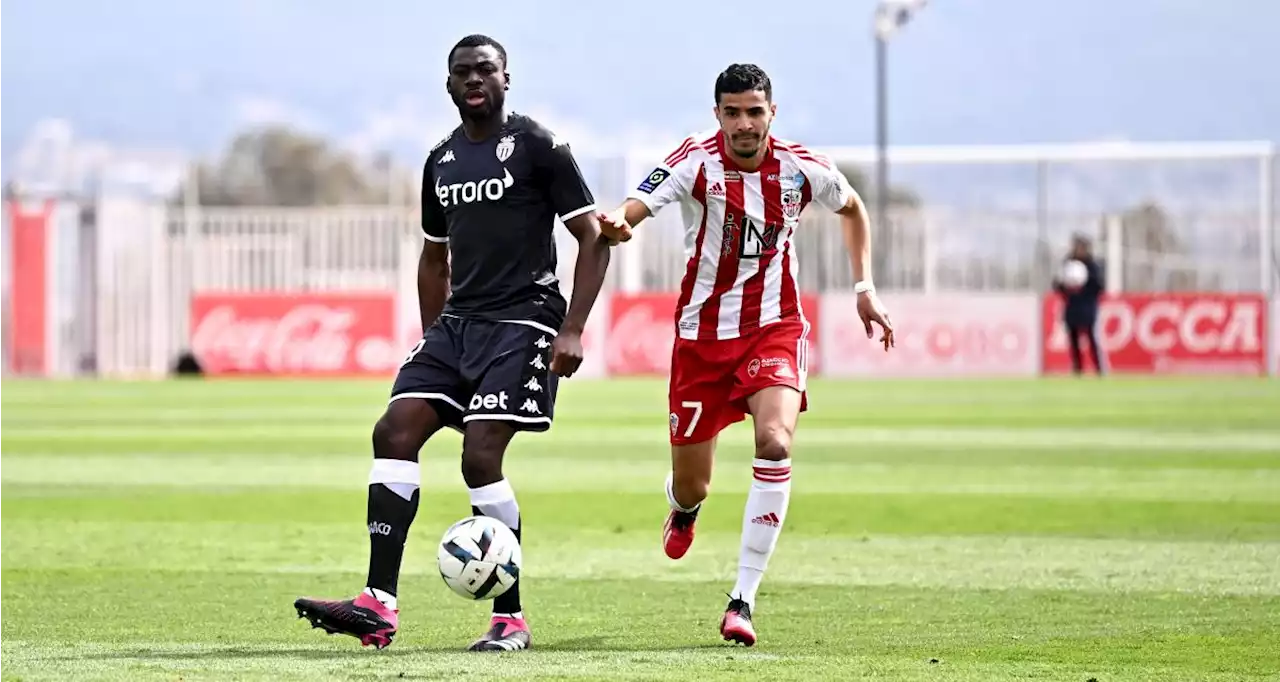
(495, 203)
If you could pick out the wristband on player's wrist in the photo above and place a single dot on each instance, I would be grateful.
(864, 287)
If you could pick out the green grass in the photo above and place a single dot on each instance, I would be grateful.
(960, 530)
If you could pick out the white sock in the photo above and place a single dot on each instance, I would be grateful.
(499, 501)
(388, 600)
(401, 476)
(671, 496)
(761, 524)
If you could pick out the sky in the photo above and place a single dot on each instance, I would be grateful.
(187, 75)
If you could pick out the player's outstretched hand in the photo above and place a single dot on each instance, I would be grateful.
(614, 227)
(871, 311)
(566, 353)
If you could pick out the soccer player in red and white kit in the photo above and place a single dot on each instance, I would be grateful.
(741, 335)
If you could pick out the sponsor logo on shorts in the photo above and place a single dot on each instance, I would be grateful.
(488, 401)
(782, 367)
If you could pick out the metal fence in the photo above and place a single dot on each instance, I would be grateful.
(1166, 217)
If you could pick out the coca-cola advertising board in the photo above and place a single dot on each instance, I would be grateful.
(936, 335)
(642, 330)
(296, 334)
(1169, 333)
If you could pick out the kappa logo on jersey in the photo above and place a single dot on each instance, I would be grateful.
(447, 157)
(489, 401)
(506, 147)
(530, 406)
(489, 189)
(657, 177)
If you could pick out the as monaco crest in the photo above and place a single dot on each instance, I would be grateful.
(506, 146)
(791, 203)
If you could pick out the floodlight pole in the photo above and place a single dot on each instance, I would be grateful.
(890, 15)
(882, 132)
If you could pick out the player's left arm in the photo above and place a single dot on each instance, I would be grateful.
(832, 190)
(576, 206)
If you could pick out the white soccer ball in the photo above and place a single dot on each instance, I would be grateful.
(1074, 274)
(479, 557)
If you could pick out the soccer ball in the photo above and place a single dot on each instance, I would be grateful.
(479, 557)
(1074, 274)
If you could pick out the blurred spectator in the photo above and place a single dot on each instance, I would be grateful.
(1082, 290)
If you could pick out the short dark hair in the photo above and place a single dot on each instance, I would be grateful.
(743, 78)
(479, 40)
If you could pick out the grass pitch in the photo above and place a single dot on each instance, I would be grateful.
(1051, 529)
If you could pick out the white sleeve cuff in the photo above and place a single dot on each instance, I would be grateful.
(646, 199)
(433, 238)
(577, 212)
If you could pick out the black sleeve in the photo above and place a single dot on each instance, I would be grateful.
(434, 227)
(567, 189)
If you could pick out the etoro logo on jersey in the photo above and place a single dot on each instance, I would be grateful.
(473, 191)
(752, 241)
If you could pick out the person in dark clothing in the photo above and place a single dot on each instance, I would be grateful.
(1081, 311)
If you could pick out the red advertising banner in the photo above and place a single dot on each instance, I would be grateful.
(936, 335)
(28, 261)
(296, 334)
(1274, 326)
(1169, 333)
(642, 330)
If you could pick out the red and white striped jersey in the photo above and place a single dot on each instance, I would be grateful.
(742, 272)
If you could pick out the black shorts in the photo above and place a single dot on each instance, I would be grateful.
(472, 369)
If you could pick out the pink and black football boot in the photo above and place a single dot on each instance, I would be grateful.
(736, 625)
(364, 618)
(677, 533)
(506, 633)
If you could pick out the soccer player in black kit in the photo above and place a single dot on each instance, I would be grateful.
(498, 335)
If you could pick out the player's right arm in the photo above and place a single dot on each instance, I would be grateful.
(668, 182)
(433, 264)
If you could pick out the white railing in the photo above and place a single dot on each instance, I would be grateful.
(984, 219)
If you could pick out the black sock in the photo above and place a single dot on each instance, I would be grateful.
(508, 602)
(390, 516)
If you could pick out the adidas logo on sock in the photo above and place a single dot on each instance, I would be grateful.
(770, 519)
